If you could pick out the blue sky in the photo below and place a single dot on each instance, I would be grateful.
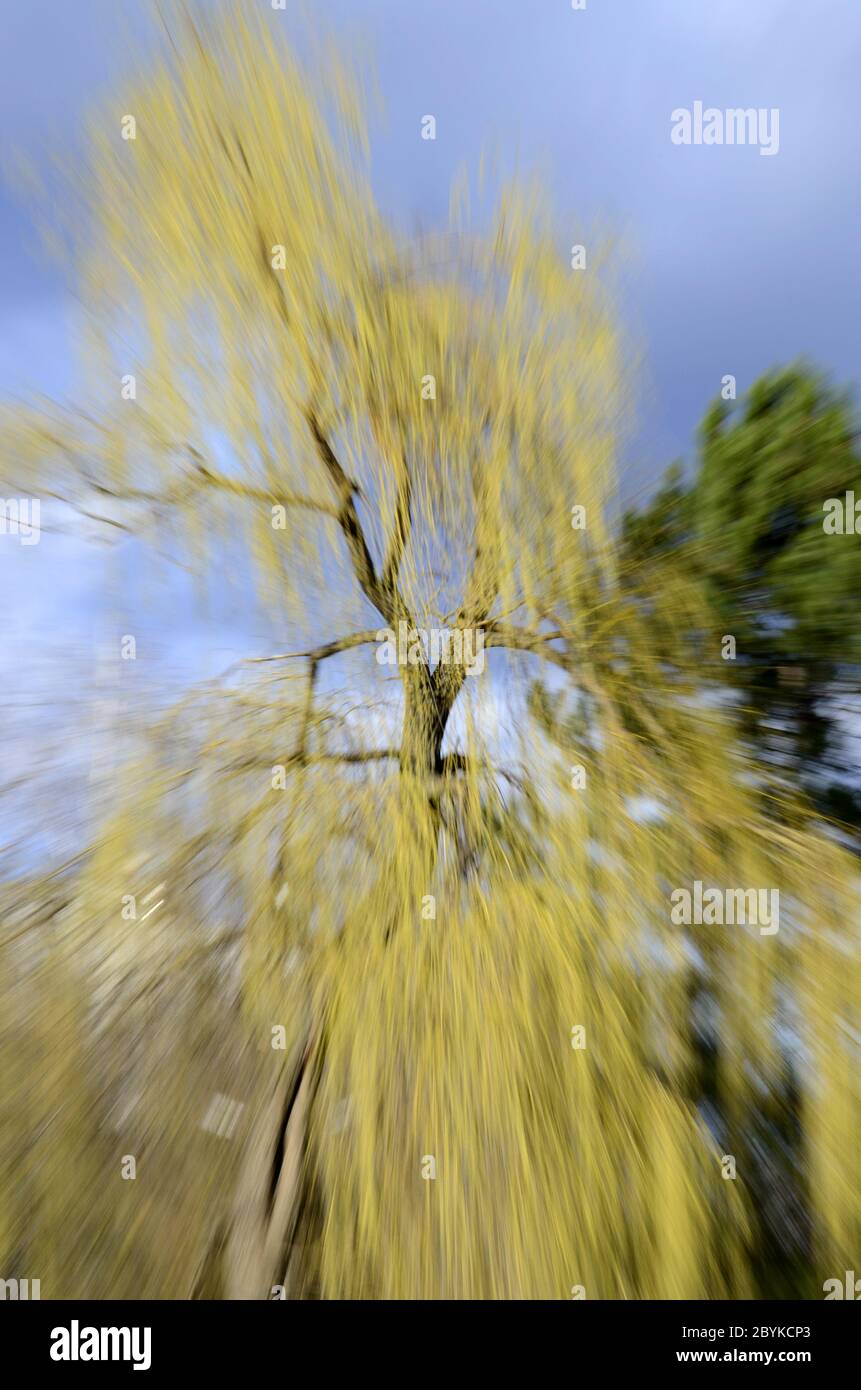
(733, 261)
(737, 261)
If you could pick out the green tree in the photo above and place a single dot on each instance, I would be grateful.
(751, 527)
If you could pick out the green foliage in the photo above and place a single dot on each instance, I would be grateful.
(748, 528)
(757, 509)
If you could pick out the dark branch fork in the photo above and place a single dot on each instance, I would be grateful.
(439, 689)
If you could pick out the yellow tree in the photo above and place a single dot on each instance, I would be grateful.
(484, 1082)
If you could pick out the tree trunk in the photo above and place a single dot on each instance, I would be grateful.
(268, 1197)
(423, 726)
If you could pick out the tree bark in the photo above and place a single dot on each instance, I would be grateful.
(268, 1197)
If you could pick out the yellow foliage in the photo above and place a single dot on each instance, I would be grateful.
(421, 1030)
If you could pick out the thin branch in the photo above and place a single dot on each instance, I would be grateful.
(305, 759)
(301, 754)
(239, 488)
(368, 755)
(462, 762)
(341, 644)
(174, 496)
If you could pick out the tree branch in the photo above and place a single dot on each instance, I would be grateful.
(203, 476)
(522, 640)
(341, 644)
(244, 490)
(383, 599)
(462, 762)
(400, 532)
(304, 759)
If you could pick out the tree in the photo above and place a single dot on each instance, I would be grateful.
(444, 979)
(752, 527)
